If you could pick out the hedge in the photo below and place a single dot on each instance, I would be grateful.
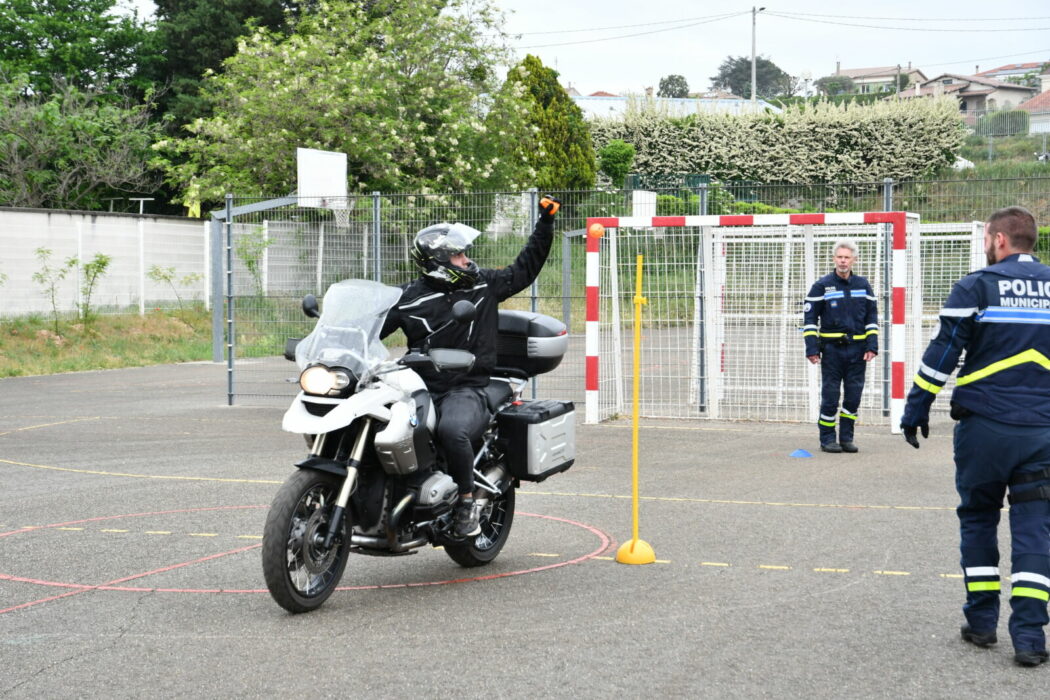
(818, 143)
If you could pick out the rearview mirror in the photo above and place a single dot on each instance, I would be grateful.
(310, 306)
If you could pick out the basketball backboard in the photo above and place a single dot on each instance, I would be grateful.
(321, 178)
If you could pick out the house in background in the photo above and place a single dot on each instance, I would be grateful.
(1038, 108)
(1011, 70)
(975, 95)
(880, 79)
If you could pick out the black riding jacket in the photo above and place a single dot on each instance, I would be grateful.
(426, 304)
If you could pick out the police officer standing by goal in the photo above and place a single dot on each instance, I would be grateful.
(841, 332)
(1000, 317)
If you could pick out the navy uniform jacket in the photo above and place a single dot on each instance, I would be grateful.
(426, 305)
(845, 310)
(1001, 317)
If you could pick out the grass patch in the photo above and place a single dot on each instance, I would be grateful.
(30, 346)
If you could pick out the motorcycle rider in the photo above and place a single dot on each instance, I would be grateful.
(447, 275)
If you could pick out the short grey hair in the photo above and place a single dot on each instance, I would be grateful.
(847, 244)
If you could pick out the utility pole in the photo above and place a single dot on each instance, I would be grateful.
(754, 81)
(898, 81)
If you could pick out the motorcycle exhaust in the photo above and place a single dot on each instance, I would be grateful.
(395, 521)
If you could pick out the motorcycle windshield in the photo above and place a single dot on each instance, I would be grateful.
(347, 333)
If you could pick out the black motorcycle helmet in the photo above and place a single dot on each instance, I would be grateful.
(434, 247)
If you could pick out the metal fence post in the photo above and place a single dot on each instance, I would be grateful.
(534, 203)
(887, 293)
(701, 320)
(229, 300)
(377, 267)
(217, 279)
(702, 192)
(566, 281)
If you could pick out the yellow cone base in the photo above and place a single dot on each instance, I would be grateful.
(635, 552)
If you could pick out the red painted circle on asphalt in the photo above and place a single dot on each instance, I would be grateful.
(605, 544)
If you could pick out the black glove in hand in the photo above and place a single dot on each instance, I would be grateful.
(549, 206)
(910, 433)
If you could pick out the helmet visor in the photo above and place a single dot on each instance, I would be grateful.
(443, 241)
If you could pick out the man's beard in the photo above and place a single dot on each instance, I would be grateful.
(989, 254)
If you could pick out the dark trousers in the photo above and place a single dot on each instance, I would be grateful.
(462, 416)
(987, 454)
(841, 370)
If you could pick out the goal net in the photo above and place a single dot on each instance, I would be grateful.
(721, 329)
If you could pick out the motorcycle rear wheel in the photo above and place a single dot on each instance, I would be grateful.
(299, 572)
(495, 529)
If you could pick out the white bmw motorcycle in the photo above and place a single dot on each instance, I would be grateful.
(374, 480)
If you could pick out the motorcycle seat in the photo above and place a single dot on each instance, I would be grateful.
(497, 393)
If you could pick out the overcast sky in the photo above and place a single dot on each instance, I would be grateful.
(627, 45)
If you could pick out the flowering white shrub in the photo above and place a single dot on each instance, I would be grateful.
(806, 144)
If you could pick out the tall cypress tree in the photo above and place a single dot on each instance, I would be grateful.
(563, 156)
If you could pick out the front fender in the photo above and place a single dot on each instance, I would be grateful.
(373, 401)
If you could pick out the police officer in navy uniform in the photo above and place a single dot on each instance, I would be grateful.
(1000, 316)
(841, 332)
(448, 275)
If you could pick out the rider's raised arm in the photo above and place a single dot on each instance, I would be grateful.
(526, 267)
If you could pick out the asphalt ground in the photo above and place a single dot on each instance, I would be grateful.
(132, 504)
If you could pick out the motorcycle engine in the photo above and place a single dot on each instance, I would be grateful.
(437, 494)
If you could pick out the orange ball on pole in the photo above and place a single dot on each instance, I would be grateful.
(596, 230)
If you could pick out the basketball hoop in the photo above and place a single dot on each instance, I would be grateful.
(340, 208)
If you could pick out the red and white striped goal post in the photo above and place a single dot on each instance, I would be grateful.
(897, 219)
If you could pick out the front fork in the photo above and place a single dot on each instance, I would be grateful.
(352, 465)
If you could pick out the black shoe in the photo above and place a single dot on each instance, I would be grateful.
(468, 522)
(833, 447)
(981, 639)
(1030, 658)
(849, 447)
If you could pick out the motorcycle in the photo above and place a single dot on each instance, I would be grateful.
(374, 481)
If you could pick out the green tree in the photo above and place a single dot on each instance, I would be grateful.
(673, 86)
(734, 75)
(561, 152)
(192, 37)
(79, 42)
(73, 147)
(407, 90)
(615, 160)
(835, 85)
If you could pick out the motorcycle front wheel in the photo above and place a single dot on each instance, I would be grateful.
(299, 571)
(496, 520)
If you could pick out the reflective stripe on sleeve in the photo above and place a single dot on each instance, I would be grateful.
(958, 312)
(932, 373)
(923, 384)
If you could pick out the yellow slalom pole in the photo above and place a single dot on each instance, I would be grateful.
(636, 551)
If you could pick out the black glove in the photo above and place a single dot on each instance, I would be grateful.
(909, 433)
(549, 206)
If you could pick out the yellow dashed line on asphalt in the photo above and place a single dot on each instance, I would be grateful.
(158, 532)
(892, 573)
(951, 575)
(832, 571)
(69, 528)
(49, 425)
(713, 563)
(169, 477)
(542, 554)
(774, 567)
(203, 534)
(724, 501)
(249, 537)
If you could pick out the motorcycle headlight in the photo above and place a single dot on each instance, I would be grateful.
(322, 381)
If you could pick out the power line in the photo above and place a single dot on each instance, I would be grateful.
(923, 19)
(627, 36)
(982, 30)
(989, 58)
(626, 26)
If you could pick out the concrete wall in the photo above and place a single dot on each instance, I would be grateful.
(134, 242)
